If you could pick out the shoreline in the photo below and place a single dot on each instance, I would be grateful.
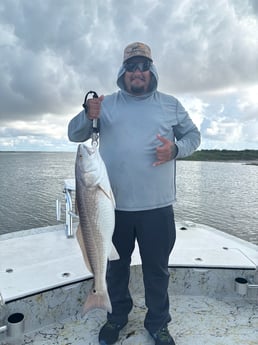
(242, 161)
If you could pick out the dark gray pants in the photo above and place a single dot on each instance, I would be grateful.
(155, 234)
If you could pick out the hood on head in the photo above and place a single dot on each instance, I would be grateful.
(138, 49)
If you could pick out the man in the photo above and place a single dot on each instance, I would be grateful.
(138, 129)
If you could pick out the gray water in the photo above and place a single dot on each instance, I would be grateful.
(222, 195)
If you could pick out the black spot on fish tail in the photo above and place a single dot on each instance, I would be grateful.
(97, 300)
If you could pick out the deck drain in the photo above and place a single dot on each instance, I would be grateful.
(66, 274)
(225, 248)
(183, 228)
(198, 259)
(9, 270)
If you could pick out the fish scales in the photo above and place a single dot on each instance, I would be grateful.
(93, 234)
(95, 204)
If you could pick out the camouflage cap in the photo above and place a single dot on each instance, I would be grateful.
(137, 49)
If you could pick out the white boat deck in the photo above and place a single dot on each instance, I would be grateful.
(204, 308)
(36, 260)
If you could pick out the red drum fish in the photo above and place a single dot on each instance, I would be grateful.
(96, 209)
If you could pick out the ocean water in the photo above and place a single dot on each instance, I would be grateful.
(219, 194)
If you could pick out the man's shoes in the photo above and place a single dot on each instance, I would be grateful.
(109, 333)
(162, 337)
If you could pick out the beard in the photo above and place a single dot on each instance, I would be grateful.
(137, 90)
(137, 84)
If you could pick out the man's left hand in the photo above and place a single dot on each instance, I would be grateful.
(166, 152)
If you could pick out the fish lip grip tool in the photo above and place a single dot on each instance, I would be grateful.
(95, 122)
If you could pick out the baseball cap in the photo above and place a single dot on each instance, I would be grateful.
(137, 49)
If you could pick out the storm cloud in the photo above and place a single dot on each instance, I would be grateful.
(54, 51)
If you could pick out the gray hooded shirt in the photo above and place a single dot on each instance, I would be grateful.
(128, 140)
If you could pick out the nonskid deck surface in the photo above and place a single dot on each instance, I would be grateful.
(196, 320)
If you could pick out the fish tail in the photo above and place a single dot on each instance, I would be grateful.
(97, 300)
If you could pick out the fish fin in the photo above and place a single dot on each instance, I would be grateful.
(112, 198)
(83, 249)
(97, 300)
(104, 187)
(108, 192)
(113, 255)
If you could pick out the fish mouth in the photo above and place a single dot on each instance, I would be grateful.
(89, 149)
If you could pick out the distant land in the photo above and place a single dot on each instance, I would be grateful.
(245, 156)
(248, 156)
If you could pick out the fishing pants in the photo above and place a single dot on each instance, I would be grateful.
(155, 233)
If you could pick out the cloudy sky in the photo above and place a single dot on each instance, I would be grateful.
(53, 51)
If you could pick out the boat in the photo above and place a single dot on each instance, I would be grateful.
(213, 288)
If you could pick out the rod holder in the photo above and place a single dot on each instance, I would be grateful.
(242, 285)
(15, 325)
(14, 329)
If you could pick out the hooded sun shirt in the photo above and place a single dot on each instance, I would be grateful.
(129, 126)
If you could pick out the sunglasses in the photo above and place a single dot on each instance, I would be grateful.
(133, 66)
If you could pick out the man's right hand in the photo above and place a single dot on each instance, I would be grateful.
(94, 105)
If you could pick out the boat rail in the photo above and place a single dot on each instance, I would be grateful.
(70, 212)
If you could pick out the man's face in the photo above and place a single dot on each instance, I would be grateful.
(137, 82)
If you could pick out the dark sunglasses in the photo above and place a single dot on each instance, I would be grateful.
(133, 66)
